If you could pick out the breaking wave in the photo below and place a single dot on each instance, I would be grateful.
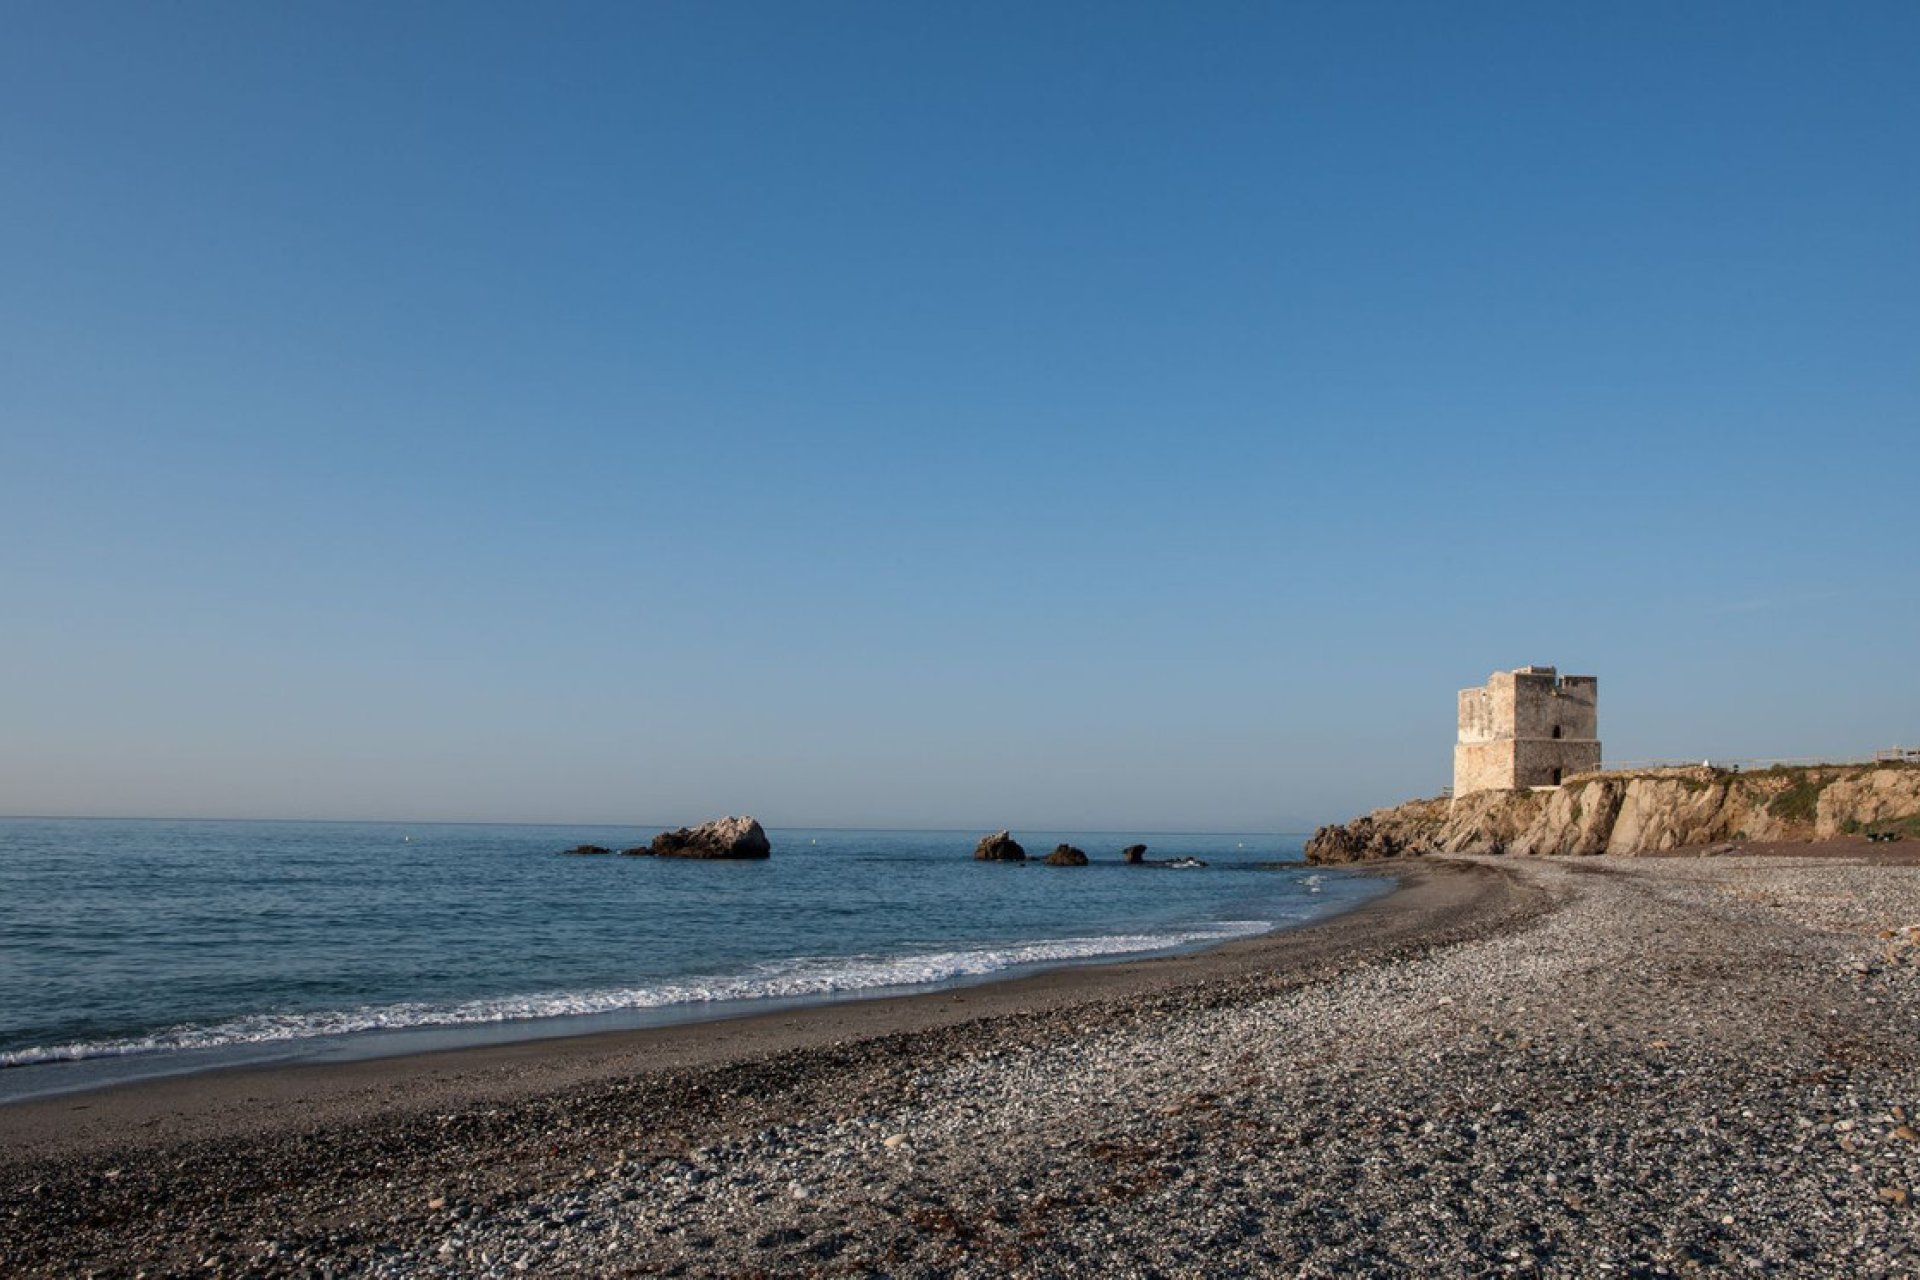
(801, 978)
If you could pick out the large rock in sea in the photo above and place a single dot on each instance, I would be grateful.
(1066, 856)
(721, 838)
(999, 847)
(1134, 854)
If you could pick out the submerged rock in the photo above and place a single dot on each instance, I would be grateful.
(588, 848)
(1134, 854)
(999, 847)
(1066, 856)
(722, 838)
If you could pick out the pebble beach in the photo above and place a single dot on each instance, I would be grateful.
(1596, 1066)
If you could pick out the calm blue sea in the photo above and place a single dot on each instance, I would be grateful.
(132, 949)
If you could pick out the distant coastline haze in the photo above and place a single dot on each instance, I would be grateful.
(1110, 417)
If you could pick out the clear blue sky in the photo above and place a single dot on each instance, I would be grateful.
(1136, 416)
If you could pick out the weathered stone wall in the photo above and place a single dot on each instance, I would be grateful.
(1543, 704)
(1483, 766)
(1485, 710)
(1544, 762)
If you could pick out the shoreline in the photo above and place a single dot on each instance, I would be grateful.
(246, 1097)
(1580, 1066)
(348, 946)
(284, 1166)
(55, 1078)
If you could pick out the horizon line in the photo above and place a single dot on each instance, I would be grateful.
(456, 822)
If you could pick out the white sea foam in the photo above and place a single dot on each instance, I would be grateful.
(801, 978)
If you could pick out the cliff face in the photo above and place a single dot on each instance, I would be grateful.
(1629, 813)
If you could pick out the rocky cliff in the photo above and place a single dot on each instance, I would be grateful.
(1645, 812)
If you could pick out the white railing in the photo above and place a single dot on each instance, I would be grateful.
(1895, 755)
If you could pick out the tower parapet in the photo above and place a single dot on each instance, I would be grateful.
(1529, 727)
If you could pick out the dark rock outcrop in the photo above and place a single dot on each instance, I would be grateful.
(999, 847)
(1134, 854)
(735, 838)
(589, 849)
(1066, 856)
(1361, 840)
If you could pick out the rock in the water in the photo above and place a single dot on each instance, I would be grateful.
(999, 847)
(589, 848)
(639, 851)
(1133, 854)
(722, 838)
(1066, 856)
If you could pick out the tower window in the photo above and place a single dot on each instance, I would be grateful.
(1556, 731)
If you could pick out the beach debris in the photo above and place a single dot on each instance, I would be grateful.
(732, 838)
(1066, 856)
(999, 847)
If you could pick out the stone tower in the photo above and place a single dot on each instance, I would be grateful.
(1530, 727)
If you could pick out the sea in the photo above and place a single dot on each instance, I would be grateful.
(136, 949)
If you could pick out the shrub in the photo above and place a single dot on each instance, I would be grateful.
(1798, 802)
